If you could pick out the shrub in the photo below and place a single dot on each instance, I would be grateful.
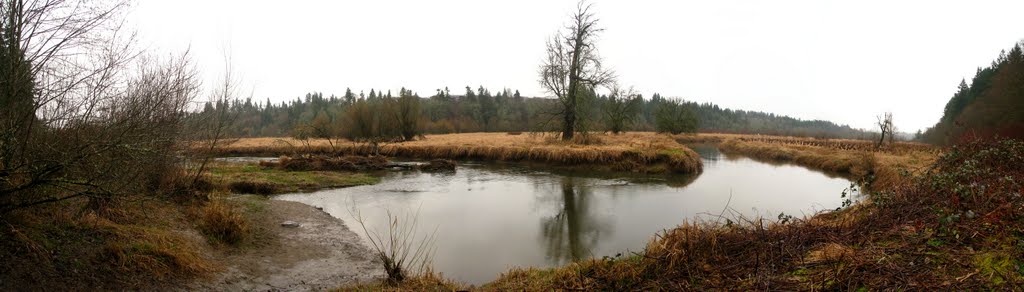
(253, 187)
(223, 223)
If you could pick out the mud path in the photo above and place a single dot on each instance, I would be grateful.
(321, 253)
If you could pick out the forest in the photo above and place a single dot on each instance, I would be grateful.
(991, 105)
(506, 110)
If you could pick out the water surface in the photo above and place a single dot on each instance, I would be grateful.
(491, 217)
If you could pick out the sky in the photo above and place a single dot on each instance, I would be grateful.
(842, 61)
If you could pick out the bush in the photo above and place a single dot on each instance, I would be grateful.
(223, 223)
(253, 187)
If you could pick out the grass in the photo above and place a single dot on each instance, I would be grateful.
(223, 222)
(139, 245)
(254, 179)
(859, 160)
(636, 152)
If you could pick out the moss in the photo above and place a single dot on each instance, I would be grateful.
(998, 266)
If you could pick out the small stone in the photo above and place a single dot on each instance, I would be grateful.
(290, 224)
(970, 214)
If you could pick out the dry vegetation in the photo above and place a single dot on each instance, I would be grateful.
(638, 152)
(859, 160)
(138, 244)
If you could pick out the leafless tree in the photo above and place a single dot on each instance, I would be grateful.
(82, 114)
(572, 66)
(210, 127)
(887, 129)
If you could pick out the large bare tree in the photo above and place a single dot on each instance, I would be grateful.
(572, 67)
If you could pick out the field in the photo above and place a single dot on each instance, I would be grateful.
(634, 152)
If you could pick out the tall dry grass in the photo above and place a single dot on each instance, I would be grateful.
(883, 168)
(640, 152)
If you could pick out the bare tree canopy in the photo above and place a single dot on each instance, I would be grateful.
(82, 113)
(573, 67)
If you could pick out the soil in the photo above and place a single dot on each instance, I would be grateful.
(321, 254)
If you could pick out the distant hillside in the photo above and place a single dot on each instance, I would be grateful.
(992, 105)
(508, 111)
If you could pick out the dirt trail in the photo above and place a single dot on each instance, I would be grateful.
(321, 254)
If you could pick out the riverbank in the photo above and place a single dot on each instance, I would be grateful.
(858, 160)
(293, 247)
(628, 152)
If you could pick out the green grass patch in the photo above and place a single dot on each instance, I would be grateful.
(251, 178)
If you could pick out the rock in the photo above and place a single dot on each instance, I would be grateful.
(970, 214)
(290, 224)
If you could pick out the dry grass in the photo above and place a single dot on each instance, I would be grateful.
(639, 152)
(145, 243)
(858, 159)
(223, 222)
(428, 281)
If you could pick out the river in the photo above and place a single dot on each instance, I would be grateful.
(490, 217)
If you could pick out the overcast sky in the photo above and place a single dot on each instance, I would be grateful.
(840, 61)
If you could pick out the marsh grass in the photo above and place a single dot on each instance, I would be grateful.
(635, 152)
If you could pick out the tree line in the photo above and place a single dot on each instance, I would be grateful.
(481, 110)
(992, 105)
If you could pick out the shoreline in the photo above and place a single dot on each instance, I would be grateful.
(322, 253)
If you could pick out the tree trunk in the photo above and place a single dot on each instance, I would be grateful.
(569, 124)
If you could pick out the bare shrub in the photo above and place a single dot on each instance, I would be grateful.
(400, 248)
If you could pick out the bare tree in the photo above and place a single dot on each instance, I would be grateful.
(887, 129)
(81, 113)
(572, 66)
(210, 127)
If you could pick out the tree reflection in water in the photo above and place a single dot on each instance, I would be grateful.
(573, 232)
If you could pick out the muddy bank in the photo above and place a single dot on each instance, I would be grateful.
(321, 253)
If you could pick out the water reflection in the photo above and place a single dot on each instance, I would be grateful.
(571, 233)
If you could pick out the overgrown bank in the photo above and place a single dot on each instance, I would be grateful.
(859, 160)
(631, 152)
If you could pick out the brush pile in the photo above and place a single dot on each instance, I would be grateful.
(328, 163)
